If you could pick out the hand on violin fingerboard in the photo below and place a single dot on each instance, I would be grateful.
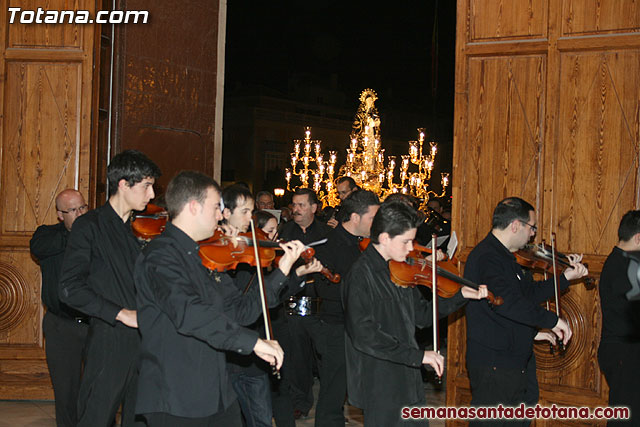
(577, 269)
(314, 266)
(470, 293)
(440, 257)
(292, 251)
(229, 230)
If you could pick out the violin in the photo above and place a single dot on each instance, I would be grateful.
(150, 223)
(540, 258)
(221, 252)
(416, 270)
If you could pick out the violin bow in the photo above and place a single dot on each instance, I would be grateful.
(434, 293)
(263, 295)
(556, 288)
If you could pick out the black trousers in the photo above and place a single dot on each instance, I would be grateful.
(491, 386)
(281, 400)
(620, 363)
(390, 415)
(110, 375)
(301, 356)
(229, 418)
(328, 341)
(64, 346)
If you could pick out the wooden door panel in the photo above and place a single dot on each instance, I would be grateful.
(45, 120)
(599, 16)
(40, 141)
(505, 121)
(491, 19)
(597, 154)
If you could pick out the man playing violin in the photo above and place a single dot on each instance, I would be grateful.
(97, 279)
(382, 355)
(189, 316)
(500, 359)
(249, 375)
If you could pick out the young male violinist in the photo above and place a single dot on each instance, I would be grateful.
(97, 279)
(383, 357)
(500, 339)
(189, 316)
(249, 375)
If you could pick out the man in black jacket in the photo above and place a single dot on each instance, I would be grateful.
(97, 279)
(189, 316)
(383, 357)
(65, 329)
(500, 338)
(298, 376)
(619, 351)
(327, 326)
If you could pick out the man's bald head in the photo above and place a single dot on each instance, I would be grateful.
(70, 205)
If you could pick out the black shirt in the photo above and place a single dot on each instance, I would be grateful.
(97, 272)
(315, 231)
(382, 355)
(188, 316)
(620, 317)
(338, 255)
(503, 335)
(47, 246)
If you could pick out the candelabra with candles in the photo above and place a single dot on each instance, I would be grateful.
(365, 158)
(302, 166)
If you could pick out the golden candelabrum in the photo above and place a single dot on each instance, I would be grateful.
(309, 164)
(366, 158)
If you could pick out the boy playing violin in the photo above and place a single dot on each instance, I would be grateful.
(383, 357)
(189, 316)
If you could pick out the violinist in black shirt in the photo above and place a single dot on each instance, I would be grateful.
(190, 316)
(97, 279)
(65, 329)
(327, 326)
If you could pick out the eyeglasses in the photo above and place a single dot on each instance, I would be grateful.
(80, 209)
(533, 227)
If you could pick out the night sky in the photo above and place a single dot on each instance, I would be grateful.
(387, 48)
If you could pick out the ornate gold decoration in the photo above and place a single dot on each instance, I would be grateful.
(302, 166)
(365, 158)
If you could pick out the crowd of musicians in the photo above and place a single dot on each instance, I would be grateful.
(144, 329)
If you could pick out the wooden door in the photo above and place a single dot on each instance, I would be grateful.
(547, 109)
(45, 121)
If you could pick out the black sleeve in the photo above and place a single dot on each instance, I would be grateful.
(47, 241)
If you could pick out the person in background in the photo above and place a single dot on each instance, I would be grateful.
(97, 279)
(266, 222)
(65, 329)
(619, 351)
(264, 200)
(345, 185)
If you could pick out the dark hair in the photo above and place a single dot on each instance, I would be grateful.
(233, 194)
(312, 197)
(351, 181)
(509, 210)
(262, 218)
(264, 193)
(357, 202)
(393, 218)
(132, 166)
(629, 226)
(407, 199)
(187, 186)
